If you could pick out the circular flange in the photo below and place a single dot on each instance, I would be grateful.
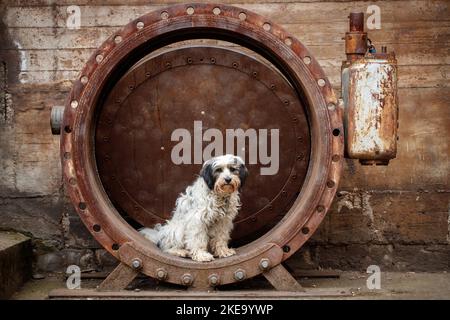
(153, 31)
(215, 90)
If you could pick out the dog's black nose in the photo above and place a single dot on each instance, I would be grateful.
(227, 179)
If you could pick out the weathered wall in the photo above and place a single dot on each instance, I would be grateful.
(395, 216)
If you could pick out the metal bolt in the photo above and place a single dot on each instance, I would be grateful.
(239, 274)
(84, 79)
(161, 273)
(264, 264)
(187, 279)
(74, 104)
(164, 15)
(213, 279)
(136, 263)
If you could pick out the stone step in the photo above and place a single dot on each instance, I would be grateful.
(15, 262)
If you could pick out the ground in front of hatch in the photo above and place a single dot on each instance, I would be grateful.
(394, 285)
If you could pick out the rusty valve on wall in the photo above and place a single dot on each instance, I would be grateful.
(369, 93)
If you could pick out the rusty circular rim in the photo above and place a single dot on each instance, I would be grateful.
(191, 21)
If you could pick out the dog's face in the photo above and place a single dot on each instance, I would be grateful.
(224, 174)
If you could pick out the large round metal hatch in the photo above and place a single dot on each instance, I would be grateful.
(200, 91)
(133, 94)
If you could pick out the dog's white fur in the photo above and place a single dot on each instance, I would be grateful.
(203, 216)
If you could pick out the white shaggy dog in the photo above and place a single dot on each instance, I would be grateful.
(203, 217)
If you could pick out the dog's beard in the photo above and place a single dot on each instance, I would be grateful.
(223, 188)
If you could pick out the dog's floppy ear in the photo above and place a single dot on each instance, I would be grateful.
(243, 174)
(207, 174)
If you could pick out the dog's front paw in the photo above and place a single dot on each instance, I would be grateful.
(202, 256)
(224, 252)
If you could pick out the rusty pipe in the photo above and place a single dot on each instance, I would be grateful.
(356, 39)
(356, 20)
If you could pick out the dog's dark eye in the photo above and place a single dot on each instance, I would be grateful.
(219, 170)
(234, 170)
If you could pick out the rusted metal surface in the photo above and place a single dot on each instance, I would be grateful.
(369, 91)
(369, 88)
(221, 88)
(181, 22)
(195, 295)
(356, 39)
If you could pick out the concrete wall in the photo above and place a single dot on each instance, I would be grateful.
(395, 216)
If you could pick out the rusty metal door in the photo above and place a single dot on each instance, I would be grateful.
(210, 88)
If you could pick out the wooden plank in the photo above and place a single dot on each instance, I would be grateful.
(327, 55)
(194, 295)
(119, 279)
(284, 12)
(410, 76)
(423, 149)
(15, 262)
(282, 280)
(37, 3)
(359, 217)
(309, 34)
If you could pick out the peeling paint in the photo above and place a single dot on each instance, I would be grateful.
(356, 200)
(369, 90)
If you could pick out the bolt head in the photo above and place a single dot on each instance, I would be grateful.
(239, 275)
(187, 279)
(136, 263)
(264, 264)
(213, 279)
(161, 274)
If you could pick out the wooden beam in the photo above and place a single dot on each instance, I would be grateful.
(282, 280)
(119, 279)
